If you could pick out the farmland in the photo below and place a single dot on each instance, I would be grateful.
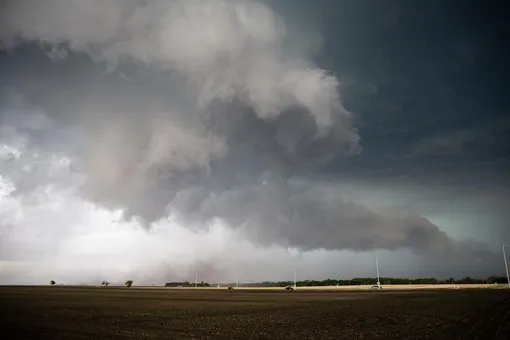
(135, 313)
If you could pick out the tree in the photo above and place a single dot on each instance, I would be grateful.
(52, 282)
(105, 283)
(497, 279)
(129, 283)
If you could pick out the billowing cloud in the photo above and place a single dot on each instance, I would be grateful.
(268, 205)
(226, 49)
(229, 58)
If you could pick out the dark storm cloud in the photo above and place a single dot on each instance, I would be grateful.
(306, 221)
(431, 95)
(212, 117)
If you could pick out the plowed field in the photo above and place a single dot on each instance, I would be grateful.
(131, 313)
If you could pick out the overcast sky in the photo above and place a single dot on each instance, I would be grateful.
(150, 140)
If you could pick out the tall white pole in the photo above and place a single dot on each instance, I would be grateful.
(506, 264)
(377, 265)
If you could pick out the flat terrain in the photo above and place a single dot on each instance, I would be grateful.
(131, 313)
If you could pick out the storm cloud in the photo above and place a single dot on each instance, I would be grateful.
(202, 111)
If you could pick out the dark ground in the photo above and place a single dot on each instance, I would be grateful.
(131, 313)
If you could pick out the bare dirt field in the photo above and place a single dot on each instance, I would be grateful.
(131, 313)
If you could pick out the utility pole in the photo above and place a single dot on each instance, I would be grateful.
(377, 265)
(506, 263)
(196, 279)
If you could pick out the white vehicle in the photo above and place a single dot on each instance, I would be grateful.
(376, 287)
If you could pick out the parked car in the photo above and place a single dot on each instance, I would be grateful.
(376, 287)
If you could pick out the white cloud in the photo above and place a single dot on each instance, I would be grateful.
(225, 48)
(48, 231)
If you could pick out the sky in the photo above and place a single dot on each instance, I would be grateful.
(154, 140)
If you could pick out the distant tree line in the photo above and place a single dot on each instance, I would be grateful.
(187, 284)
(383, 280)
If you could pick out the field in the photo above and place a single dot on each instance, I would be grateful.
(135, 313)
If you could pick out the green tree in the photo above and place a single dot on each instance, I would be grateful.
(129, 283)
(52, 282)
